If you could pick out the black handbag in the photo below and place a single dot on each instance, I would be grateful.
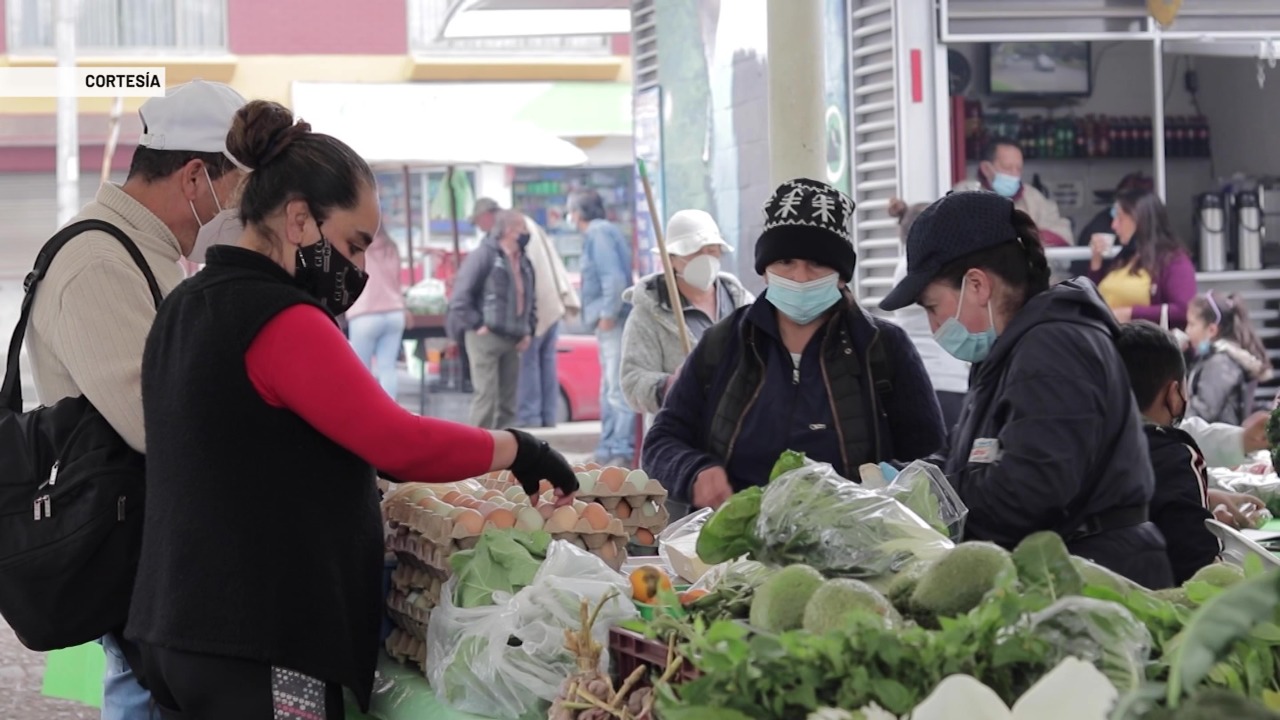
(71, 498)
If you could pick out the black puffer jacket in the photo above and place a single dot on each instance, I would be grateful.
(1051, 439)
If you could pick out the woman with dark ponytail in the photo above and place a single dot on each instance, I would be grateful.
(1050, 438)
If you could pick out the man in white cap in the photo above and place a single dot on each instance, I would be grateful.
(91, 316)
(652, 352)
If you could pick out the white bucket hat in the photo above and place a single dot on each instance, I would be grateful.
(688, 231)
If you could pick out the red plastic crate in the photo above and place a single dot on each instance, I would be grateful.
(630, 650)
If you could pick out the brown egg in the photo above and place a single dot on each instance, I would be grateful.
(488, 507)
(644, 537)
(612, 478)
(562, 520)
(596, 516)
(451, 497)
(623, 511)
(501, 518)
(470, 521)
(545, 509)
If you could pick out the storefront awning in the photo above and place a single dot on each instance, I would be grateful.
(435, 123)
(532, 18)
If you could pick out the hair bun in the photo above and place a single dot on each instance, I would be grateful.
(897, 208)
(262, 131)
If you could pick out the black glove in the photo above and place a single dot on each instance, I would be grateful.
(537, 461)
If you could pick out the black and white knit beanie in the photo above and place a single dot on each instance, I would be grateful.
(808, 220)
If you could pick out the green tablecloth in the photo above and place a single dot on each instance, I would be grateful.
(76, 674)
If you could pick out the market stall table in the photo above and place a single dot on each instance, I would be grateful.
(421, 328)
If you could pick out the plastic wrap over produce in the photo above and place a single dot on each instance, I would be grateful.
(812, 515)
(1102, 633)
(508, 659)
(925, 490)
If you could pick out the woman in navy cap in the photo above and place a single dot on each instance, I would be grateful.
(804, 368)
(1050, 438)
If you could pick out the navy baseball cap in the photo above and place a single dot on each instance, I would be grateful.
(957, 225)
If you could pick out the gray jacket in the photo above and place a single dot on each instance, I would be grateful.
(651, 349)
(484, 294)
(1223, 383)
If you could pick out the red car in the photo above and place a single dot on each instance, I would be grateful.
(578, 372)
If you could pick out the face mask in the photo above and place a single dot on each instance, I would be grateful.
(216, 201)
(1204, 347)
(963, 345)
(1180, 416)
(523, 240)
(1006, 185)
(701, 272)
(803, 302)
(224, 229)
(329, 276)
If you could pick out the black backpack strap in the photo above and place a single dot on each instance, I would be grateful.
(881, 371)
(11, 390)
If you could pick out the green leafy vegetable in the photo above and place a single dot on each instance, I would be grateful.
(730, 532)
(1219, 624)
(1045, 567)
(502, 561)
(788, 461)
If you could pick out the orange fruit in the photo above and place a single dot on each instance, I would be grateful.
(647, 582)
(689, 596)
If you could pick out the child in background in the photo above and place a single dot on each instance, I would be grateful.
(1158, 374)
(1230, 359)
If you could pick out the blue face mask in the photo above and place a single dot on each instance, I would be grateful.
(1006, 185)
(964, 345)
(803, 302)
(1204, 347)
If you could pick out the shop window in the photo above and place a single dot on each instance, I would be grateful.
(427, 19)
(122, 26)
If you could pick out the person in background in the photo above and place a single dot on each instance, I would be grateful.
(483, 215)
(802, 369)
(257, 594)
(493, 305)
(1230, 359)
(1101, 223)
(606, 272)
(1152, 278)
(538, 399)
(1180, 505)
(1000, 171)
(1051, 438)
(950, 376)
(652, 352)
(376, 321)
(90, 320)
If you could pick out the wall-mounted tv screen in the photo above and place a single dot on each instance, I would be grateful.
(1040, 68)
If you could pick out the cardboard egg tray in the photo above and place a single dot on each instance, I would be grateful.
(413, 605)
(403, 647)
(655, 523)
(415, 628)
(428, 581)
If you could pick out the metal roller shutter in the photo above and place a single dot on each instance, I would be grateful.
(875, 145)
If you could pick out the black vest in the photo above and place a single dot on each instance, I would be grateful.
(262, 538)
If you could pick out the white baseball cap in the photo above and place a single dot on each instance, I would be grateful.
(688, 231)
(194, 116)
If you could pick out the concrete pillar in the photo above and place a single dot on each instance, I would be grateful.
(797, 107)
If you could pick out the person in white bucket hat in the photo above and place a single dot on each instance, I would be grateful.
(652, 352)
(93, 311)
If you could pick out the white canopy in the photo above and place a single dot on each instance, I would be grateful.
(531, 18)
(408, 124)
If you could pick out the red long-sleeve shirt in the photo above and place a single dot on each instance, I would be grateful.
(301, 362)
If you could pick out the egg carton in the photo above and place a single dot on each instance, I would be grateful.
(428, 581)
(620, 483)
(612, 549)
(412, 605)
(404, 648)
(641, 511)
(424, 551)
(416, 628)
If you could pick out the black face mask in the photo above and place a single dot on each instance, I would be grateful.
(523, 240)
(329, 276)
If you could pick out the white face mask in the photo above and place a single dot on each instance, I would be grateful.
(701, 272)
(216, 201)
(224, 229)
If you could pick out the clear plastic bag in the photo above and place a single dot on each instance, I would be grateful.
(1102, 633)
(508, 660)
(678, 545)
(925, 490)
(812, 515)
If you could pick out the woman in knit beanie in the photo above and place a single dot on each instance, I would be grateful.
(803, 368)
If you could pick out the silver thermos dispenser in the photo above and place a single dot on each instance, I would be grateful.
(1211, 222)
(1248, 231)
